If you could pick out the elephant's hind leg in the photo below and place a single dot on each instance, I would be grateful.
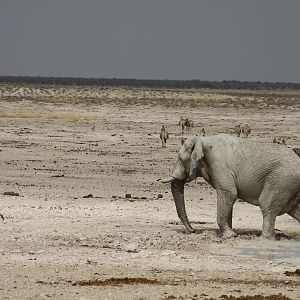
(272, 204)
(295, 211)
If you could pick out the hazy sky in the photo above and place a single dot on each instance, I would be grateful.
(158, 39)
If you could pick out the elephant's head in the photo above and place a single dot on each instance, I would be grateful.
(187, 168)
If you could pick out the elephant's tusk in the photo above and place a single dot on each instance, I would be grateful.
(167, 180)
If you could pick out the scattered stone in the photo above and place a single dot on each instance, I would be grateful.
(168, 253)
(88, 196)
(11, 194)
(293, 273)
(90, 262)
(131, 248)
(159, 196)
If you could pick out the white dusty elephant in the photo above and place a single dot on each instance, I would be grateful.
(267, 175)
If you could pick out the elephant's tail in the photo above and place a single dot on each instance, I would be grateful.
(297, 151)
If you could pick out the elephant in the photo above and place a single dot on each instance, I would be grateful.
(245, 129)
(264, 174)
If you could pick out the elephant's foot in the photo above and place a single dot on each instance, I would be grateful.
(187, 231)
(228, 233)
(267, 237)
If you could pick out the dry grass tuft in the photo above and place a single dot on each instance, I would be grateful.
(57, 116)
(73, 117)
(20, 115)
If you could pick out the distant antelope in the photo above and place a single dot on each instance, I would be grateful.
(189, 124)
(203, 131)
(182, 124)
(245, 130)
(238, 130)
(281, 141)
(164, 135)
(185, 124)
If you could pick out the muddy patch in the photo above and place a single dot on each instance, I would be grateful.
(257, 297)
(121, 281)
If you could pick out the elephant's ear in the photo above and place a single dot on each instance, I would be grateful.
(196, 156)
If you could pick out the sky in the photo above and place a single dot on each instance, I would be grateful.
(255, 40)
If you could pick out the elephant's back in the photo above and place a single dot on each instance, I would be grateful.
(257, 163)
(268, 150)
(270, 157)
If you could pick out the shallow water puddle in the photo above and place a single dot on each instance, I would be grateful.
(287, 251)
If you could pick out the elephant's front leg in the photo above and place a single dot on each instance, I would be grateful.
(225, 203)
(268, 228)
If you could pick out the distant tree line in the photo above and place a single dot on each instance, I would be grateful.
(180, 84)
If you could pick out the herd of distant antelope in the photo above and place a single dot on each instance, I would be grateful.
(186, 124)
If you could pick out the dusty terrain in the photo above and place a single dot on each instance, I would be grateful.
(69, 156)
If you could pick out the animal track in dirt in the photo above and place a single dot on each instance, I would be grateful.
(192, 222)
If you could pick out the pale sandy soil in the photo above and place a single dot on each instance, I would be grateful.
(61, 144)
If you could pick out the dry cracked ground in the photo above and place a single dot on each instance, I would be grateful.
(86, 218)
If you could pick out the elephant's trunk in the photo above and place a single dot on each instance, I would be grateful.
(177, 188)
